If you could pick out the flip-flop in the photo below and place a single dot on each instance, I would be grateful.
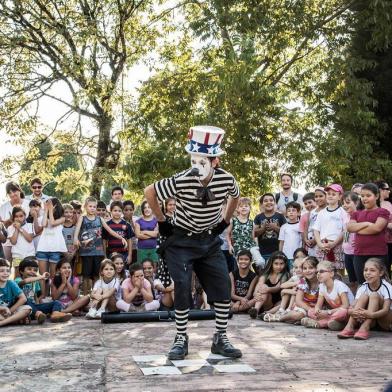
(361, 335)
(346, 334)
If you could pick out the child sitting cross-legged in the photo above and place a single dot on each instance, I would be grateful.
(137, 292)
(373, 303)
(106, 291)
(29, 282)
(333, 301)
(243, 282)
(307, 292)
(288, 293)
(65, 288)
(267, 291)
(13, 308)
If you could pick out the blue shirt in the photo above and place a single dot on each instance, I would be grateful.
(30, 290)
(9, 293)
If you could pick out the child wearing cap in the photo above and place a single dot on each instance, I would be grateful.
(329, 226)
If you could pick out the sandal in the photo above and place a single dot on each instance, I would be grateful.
(346, 334)
(40, 317)
(307, 322)
(252, 313)
(361, 335)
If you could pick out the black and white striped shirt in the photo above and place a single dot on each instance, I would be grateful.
(190, 213)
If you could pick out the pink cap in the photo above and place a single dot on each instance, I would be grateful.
(335, 187)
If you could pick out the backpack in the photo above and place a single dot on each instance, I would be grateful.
(277, 197)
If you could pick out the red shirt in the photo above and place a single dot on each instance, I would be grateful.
(370, 244)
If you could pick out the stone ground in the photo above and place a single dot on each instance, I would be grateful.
(89, 356)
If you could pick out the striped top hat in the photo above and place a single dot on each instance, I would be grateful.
(205, 140)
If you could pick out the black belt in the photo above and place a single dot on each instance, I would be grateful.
(180, 231)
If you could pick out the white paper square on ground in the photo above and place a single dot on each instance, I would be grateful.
(160, 370)
(190, 362)
(235, 368)
(150, 358)
(210, 355)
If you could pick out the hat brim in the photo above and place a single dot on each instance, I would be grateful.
(218, 154)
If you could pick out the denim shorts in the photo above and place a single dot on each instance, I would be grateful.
(52, 257)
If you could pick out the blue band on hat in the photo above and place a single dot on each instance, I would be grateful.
(200, 148)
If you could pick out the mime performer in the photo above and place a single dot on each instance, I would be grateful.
(193, 242)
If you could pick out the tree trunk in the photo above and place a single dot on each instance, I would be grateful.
(99, 169)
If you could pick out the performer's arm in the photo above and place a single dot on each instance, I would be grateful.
(232, 204)
(152, 200)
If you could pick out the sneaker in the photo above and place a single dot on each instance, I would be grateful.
(222, 346)
(99, 312)
(60, 317)
(91, 314)
(40, 317)
(252, 313)
(309, 323)
(180, 347)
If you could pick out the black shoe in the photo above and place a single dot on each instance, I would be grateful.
(180, 347)
(253, 313)
(222, 346)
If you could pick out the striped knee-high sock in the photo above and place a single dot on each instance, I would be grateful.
(221, 315)
(181, 320)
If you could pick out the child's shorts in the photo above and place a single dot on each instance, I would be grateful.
(51, 257)
(143, 254)
(91, 266)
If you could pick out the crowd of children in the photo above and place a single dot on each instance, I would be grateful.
(324, 261)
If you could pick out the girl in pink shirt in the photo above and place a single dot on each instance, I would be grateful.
(137, 293)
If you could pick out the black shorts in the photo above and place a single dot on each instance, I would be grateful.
(202, 254)
(90, 266)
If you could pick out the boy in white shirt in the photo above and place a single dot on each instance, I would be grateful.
(290, 237)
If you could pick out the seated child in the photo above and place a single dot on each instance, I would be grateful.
(106, 291)
(307, 292)
(373, 303)
(121, 272)
(65, 288)
(13, 306)
(333, 301)
(137, 293)
(243, 282)
(267, 292)
(29, 282)
(288, 293)
(163, 284)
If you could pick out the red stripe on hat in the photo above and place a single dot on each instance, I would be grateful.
(218, 138)
(206, 138)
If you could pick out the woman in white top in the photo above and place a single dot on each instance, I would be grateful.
(51, 245)
(16, 198)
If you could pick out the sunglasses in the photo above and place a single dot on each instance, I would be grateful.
(322, 271)
(37, 187)
(385, 189)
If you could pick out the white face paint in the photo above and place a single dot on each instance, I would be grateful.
(202, 164)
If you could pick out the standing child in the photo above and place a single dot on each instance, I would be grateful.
(170, 206)
(51, 244)
(373, 303)
(146, 230)
(129, 217)
(240, 230)
(328, 228)
(335, 297)
(267, 291)
(30, 284)
(290, 237)
(69, 230)
(310, 205)
(369, 226)
(88, 238)
(137, 293)
(106, 291)
(267, 226)
(65, 288)
(310, 244)
(35, 217)
(20, 234)
(123, 229)
(350, 204)
(13, 306)
(307, 292)
(101, 209)
(243, 282)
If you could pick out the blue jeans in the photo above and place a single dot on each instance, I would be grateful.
(47, 308)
